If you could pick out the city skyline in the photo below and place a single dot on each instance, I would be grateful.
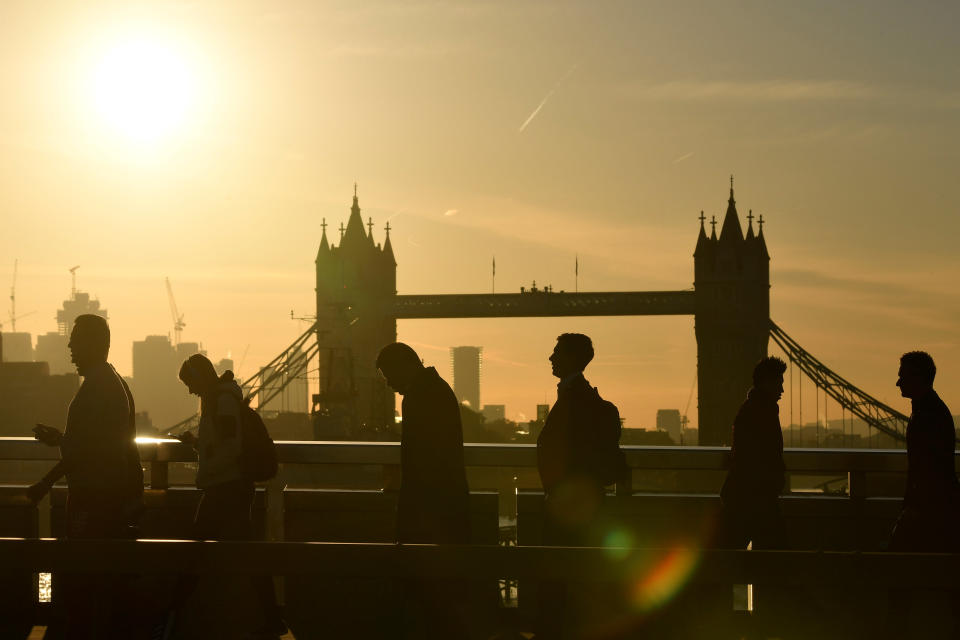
(580, 143)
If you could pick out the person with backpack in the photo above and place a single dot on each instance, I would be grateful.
(233, 450)
(578, 450)
(578, 455)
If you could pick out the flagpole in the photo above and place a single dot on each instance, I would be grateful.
(576, 274)
(493, 277)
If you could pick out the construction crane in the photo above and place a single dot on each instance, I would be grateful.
(13, 320)
(73, 282)
(178, 323)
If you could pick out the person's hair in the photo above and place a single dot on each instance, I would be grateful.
(95, 329)
(768, 368)
(397, 353)
(197, 368)
(920, 363)
(578, 346)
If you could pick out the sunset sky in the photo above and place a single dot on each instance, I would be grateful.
(532, 131)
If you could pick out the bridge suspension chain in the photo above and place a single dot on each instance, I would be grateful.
(859, 403)
(271, 379)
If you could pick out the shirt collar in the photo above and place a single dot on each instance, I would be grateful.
(569, 381)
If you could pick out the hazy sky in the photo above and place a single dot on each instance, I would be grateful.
(533, 131)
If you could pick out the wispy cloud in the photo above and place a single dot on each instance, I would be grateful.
(547, 97)
(685, 156)
(451, 212)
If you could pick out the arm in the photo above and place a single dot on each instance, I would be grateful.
(36, 491)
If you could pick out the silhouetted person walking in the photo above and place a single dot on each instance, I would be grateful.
(928, 521)
(578, 455)
(750, 509)
(224, 512)
(99, 456)
(434, 499)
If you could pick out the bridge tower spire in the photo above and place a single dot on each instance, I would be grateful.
(732, 320)
(356, 285)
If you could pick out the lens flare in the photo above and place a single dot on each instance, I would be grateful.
(663, 578)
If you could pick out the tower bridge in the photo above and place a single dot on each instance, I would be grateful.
(358, 308)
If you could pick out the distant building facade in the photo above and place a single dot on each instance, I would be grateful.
(31, 395)
(668, 421)
(494, 412)
(157, 388)
(467, 363)
(17, 346)
(52, 349)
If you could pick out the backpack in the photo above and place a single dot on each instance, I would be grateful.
(609, 463)
(258, 455)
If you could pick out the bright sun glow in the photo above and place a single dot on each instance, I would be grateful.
(144, 89)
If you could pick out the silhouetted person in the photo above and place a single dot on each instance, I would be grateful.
(224, 512)
(99, 456)
(750, 509)
(578, 448)
(434, 499)
(578, 455)
(928, 521)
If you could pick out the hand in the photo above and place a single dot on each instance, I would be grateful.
(47, 435)
(36, 491)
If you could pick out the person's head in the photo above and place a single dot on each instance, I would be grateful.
(198, 374)
(916, 374)
(573, 353)
(399, 364)
(768, 376)
(89, 341)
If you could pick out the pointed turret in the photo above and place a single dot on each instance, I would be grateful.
(750, 235)
(324, 249)
(703, 242)
(761, 241)
(713, 228)
(388, 247)
(354, 235)
(731, 230)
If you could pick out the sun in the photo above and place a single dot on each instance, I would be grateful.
(143, 88)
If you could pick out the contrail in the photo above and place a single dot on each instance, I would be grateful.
(685, 156)
(547, 97)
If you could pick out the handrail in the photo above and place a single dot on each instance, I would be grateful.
(500, 455)
(343, 560)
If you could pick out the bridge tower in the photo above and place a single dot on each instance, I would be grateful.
(732, 317)
(356, 283)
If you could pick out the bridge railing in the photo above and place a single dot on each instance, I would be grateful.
(158, 453)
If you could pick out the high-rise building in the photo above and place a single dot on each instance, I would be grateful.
(225, 364)
(466, 374)
(31, 395)
(17, 346)
(52, 349)
(494, 412)
(80, 303)
(157, 388)
(52, 346)
(669, 420)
